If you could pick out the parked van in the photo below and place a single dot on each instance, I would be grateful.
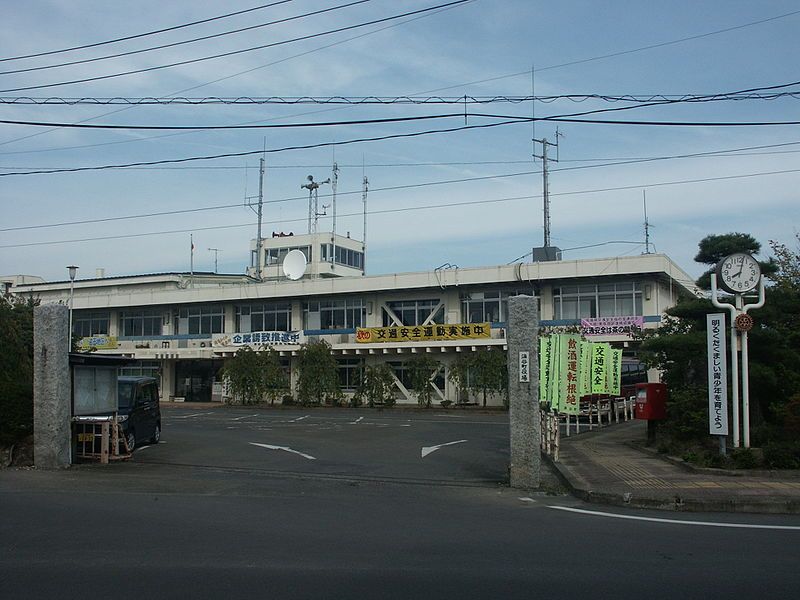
(139, 411)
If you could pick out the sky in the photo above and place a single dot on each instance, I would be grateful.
(470, 198)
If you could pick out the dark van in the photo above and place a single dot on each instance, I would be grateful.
(139, 410)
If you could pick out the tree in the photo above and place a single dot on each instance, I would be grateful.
(277, 381)
(421, 369)
(317, 377)
(377, 386)
(16, 368)
(245, 377)
(482, 373)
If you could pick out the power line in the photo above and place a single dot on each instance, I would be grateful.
(413, 208)
(183, 42)
(389, 100)
(269, 151)
(236, 52)
(148, 33)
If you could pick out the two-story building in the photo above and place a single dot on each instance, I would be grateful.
(182, 326)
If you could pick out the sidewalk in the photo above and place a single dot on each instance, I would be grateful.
(602, 466)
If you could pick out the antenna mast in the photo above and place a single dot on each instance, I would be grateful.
(364, 190)
(260, 209)
(545, 182)
(334, 183)
(646, 224)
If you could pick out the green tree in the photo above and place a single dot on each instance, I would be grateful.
(317, 376)
(245, 376)
(422, 368)
(377, 386)
(16, 368)
(277, 381)
(482, 373)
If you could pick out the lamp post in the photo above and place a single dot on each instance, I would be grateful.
(72, 270)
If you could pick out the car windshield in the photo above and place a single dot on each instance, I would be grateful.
(125, 394)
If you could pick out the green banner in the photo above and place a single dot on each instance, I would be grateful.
(600, 358)
(569, 371)
(544, 368)
(615, 372)
(586, 368)
(553, 389)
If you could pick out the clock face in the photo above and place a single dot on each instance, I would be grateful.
(739, 273)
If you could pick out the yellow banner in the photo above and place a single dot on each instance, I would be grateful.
(99, 342)
(423, 333)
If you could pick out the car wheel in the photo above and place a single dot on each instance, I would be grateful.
(130, 437)
(156, 434)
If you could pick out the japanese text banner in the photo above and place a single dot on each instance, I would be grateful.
(423, 333)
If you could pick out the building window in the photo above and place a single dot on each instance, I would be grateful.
(604, 300)
(414, 312)
(86, 324)
(350, 373)
(334, 314)
(201, 320)
(275, 316)
(140, 323)
(344, 256)
(275, 256)
(143, 368)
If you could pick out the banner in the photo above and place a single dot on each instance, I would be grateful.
(98, 342)
(611, 325)
(545, 359)
(553, 388)
(614, 372)
(600, 357)
(586, 368)
(256, 338)
(569, 384)
(717, 375)
(423, 333)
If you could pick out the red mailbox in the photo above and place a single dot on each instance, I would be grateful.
(651, 401)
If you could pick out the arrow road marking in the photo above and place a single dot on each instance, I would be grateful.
(298, 419)
(284, 448)
(428, 449)
(358, 420)
(675, 521)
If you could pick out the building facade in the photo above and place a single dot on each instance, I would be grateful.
(181, 327)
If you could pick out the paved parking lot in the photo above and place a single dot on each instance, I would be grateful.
(426, 446)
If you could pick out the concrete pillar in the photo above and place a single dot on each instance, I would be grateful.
(52, 445)
(523, 336)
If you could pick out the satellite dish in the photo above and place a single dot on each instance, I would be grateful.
(294, 265)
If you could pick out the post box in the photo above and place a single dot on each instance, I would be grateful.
(651, 401)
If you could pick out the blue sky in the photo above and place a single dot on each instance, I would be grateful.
(469, 49)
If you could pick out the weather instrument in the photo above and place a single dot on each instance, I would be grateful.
(294, 265)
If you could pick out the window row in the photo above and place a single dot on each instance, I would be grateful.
(599, 300)
(344, 256)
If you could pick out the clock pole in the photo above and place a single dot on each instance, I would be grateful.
(741, 323)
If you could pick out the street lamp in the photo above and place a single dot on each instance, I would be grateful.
(72, 270)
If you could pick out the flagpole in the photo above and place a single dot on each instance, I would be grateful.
(191, 259)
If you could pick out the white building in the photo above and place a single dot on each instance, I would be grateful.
(183, 326)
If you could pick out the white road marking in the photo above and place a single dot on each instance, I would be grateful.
(676, 521)
(526, 499)
(428, 449)
(358, 420)
(298, 419)
(284, 448)
(193, 415)
(244, 417)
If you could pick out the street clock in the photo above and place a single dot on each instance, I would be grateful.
(739, 273)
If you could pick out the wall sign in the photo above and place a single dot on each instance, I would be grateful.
(256, 338)
(611, 325)
(423, 333)
(524, 367)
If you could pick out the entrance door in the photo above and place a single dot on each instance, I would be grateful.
(194, 379)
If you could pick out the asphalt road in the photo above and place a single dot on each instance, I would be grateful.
(371, 519)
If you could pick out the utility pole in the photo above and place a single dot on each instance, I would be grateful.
(364, 190)
(545, 183)
(334, 183)
(646, 224)
(260, 210)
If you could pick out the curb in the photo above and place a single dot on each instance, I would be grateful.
(676, 504)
